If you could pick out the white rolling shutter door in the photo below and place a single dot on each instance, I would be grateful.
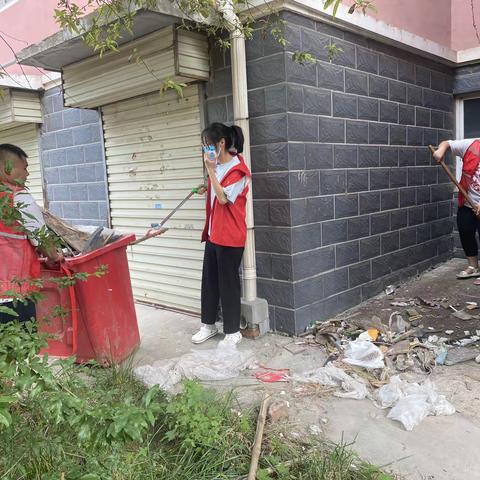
(153, 156)
(26, 137)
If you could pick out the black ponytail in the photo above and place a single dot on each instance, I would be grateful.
(237, 138)
(233, 136)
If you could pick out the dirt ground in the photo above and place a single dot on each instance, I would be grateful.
(440, 448)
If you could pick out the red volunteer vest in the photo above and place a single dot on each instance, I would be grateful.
(471, 160)
(229, 226)
(19, 259)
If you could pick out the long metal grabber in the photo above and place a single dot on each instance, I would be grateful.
(157, 227)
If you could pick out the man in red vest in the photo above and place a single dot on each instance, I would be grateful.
(20, 218)
(467, 217)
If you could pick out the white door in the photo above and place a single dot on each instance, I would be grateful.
(26, 137)
(153, 156)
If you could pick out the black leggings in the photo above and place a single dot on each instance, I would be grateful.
(25, 312)
(468, 226)
(221, 282)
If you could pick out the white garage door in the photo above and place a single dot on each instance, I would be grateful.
(153, 156)
(26, 137)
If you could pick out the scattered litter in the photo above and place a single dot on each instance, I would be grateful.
(295, 347)
(477, 359)
(396, 323)
(402, 338)
(460, 355)
(370, 335)
(468, 341)
(400, 304)
(427, 303)
(413, 315)
(332, 376)
(272, 375)
(363, 354)
(412, 402)
(315, 430)
(206, 365)
(390, 289)
(462, 315)
(441, 357)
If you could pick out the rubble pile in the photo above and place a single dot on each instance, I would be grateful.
(406, 339)
(379, 356)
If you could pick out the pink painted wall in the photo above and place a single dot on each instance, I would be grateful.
(22, 24)
(430, 19)
(447, 22)
(464, 36)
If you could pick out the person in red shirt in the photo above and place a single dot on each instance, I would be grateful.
(467, 216)
(225, 232)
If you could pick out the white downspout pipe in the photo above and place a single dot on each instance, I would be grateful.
(240, 113)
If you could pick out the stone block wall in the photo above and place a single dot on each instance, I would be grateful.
(73, 162)
(346, 197)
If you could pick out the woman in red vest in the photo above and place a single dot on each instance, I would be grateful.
(467, 217)
(20, 217)
(225, 231)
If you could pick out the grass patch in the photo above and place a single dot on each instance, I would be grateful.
(66, 422)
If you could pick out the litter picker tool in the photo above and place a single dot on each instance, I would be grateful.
(157, 228)
(454, 180)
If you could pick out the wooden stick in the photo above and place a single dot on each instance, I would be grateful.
(257, 446)
(454, 180)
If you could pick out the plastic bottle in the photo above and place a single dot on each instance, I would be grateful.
(211, 152)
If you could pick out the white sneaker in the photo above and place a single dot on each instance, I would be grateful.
(205, 332)
(230, 340)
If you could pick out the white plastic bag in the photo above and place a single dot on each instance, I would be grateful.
(207, 365)
(331, 376)
(363, 354)
(410, 410)
(412, 402)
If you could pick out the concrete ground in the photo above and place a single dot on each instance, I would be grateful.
(440, 448)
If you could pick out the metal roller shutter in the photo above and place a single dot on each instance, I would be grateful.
(152, 145)
(26, 137)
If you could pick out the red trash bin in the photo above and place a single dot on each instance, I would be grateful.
(67, 333)
(106, 303)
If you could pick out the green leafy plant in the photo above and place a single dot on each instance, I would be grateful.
(362, 5)
(194, 418)
(332, 51)
(303, 58)
(172, 85)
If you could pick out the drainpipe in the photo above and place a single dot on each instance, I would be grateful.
(240, 112)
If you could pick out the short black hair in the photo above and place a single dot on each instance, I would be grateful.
(6, 148)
